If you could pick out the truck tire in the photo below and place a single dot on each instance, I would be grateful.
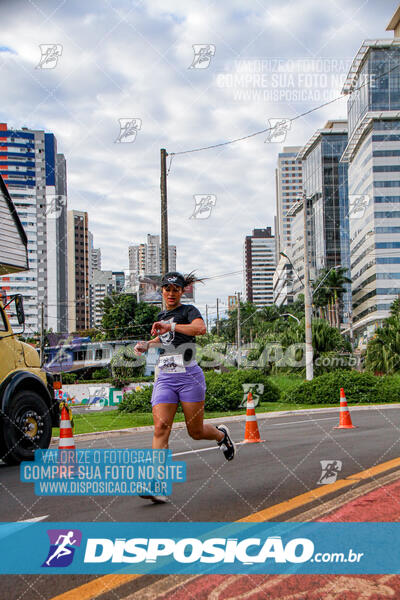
(24, 428)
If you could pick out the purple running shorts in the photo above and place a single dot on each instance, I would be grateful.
(184, 387)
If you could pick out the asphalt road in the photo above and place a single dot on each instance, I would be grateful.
(286, 464)
(263, 474)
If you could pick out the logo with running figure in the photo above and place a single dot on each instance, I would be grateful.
(62, 547)
(203, 54)
(50, 53)
(256, 389)
(330, 471)
(203, 205)
(128, 129)
(277, 130)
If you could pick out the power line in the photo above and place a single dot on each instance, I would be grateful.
(246, 137)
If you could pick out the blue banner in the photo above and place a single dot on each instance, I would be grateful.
(199, 548)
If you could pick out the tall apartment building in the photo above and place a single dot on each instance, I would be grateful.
(94, 265)
(297, 249)
(288, 179)
(325, 186)
(259, 267)
(373, 157)
(96, 259)
(78, 271)
(289, 187)
(118, 279)
(145, 259)
(35, 175)
(94, 256)
(102, 286)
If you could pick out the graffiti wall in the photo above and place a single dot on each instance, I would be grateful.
(100, 395)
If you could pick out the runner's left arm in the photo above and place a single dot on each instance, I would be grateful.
(196, 327)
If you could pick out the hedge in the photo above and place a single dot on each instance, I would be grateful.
(224, 392)
(358, 387)
(139, 401)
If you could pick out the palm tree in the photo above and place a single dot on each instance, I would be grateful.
(329, 294)
(383, 350)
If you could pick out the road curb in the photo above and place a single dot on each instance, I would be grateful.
(232, 418)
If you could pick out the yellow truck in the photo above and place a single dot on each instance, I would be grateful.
(28, 410)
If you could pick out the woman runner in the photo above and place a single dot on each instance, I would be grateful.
(180, 378)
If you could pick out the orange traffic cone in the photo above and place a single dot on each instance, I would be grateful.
(251, 434)
(66, 436)
(66, 446)
(344, 419)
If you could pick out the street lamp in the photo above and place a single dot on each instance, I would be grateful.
(292, 265)
(289, 315)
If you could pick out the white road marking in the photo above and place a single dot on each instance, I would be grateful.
(240, 443)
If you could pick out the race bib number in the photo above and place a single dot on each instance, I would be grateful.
(171, 363)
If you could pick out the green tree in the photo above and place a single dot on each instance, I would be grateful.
(329, 293)
(123, 317)
(383, 350)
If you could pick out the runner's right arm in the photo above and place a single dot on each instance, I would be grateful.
(144, 346)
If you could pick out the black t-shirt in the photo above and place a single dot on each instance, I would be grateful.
(182, 315)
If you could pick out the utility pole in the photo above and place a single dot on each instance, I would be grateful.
(239, 350)
(307, 300)
(164, 216)
(217, 318)
(207, 317)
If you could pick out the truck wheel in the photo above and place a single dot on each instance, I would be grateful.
(26, 427)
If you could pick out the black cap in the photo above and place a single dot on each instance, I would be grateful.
(173, 278)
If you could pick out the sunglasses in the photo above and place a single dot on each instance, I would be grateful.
(171, 288)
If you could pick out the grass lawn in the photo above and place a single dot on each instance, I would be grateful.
(285, 383)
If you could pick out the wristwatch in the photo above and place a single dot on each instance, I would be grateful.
(173, 325)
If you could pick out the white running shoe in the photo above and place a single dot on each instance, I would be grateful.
(226, 444)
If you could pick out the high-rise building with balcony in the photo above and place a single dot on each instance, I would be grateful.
(288, 180)
(35, 175)
(102, 285)
(145, 259)
(259, 267)
(373, 157)
(78, 271)
(289, 188)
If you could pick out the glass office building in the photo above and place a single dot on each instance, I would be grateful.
(325, 186)
(373, 156)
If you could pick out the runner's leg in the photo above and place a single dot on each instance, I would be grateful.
(163, 417)
(197, 429)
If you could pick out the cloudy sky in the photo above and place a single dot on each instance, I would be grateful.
(131, 59)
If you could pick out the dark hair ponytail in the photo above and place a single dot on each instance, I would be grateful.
(191, 278)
